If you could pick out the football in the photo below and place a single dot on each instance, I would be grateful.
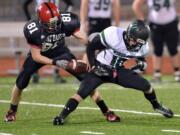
(78, 66)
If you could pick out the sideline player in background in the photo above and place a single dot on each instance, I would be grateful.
(96, 15)
(162, 18)
(46, 37)
(115, 46)
(26, 10)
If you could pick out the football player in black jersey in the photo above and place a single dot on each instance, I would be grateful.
(46, 37)
(35, 77)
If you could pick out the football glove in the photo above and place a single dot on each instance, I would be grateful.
(60, 63)
(139, 67)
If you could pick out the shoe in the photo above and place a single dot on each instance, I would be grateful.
(35, 78)
(177, 76)
(58, 121)
(10, 116)
(112, 117)
(168, 113)
(58, 78)
(156, 80)
(62, 81)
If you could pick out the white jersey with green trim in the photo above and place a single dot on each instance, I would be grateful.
(116, 51)
(161, 11)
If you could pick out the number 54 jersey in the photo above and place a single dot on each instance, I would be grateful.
(39, 37)
(161, 11)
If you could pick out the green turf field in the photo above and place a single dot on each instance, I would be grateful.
(42, 102)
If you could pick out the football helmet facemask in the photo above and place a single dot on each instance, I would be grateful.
(49, 16)
(137, 35)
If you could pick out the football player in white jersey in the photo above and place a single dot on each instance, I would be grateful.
(163, 22)
(115, 46)
(96, 15)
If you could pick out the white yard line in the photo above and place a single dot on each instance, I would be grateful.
(85, 108)
(170, 130)
(5, 134)
(92, 133)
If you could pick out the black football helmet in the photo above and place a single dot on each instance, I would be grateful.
(137, 34)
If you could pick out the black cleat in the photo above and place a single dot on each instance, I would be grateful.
(35, 78)
(58, 121)
(168, 113)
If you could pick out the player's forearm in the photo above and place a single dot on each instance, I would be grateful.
(81, 36)
(116, 12)
(90, 51)
(139, 14)
(83, 14)
(37, 57)
(84, 11)
(137, 8)
(42, 59)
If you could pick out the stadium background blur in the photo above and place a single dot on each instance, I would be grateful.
(13, 47)
(40, 103)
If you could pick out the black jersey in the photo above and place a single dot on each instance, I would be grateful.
(47, 41)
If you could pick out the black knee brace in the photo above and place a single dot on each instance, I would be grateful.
(172, 50)
(146, 87)
(23, 79)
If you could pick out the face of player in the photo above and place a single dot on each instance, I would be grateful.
(136, 42)
(52, 25)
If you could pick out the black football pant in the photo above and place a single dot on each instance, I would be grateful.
(165, 35)
(30, 66)
(98, 24)
(125, 78)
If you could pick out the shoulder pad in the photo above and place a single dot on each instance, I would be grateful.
(32, 31)
(70, 22)
(109, 36)
(31, 28)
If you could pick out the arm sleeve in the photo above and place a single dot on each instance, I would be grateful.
(93, 45)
